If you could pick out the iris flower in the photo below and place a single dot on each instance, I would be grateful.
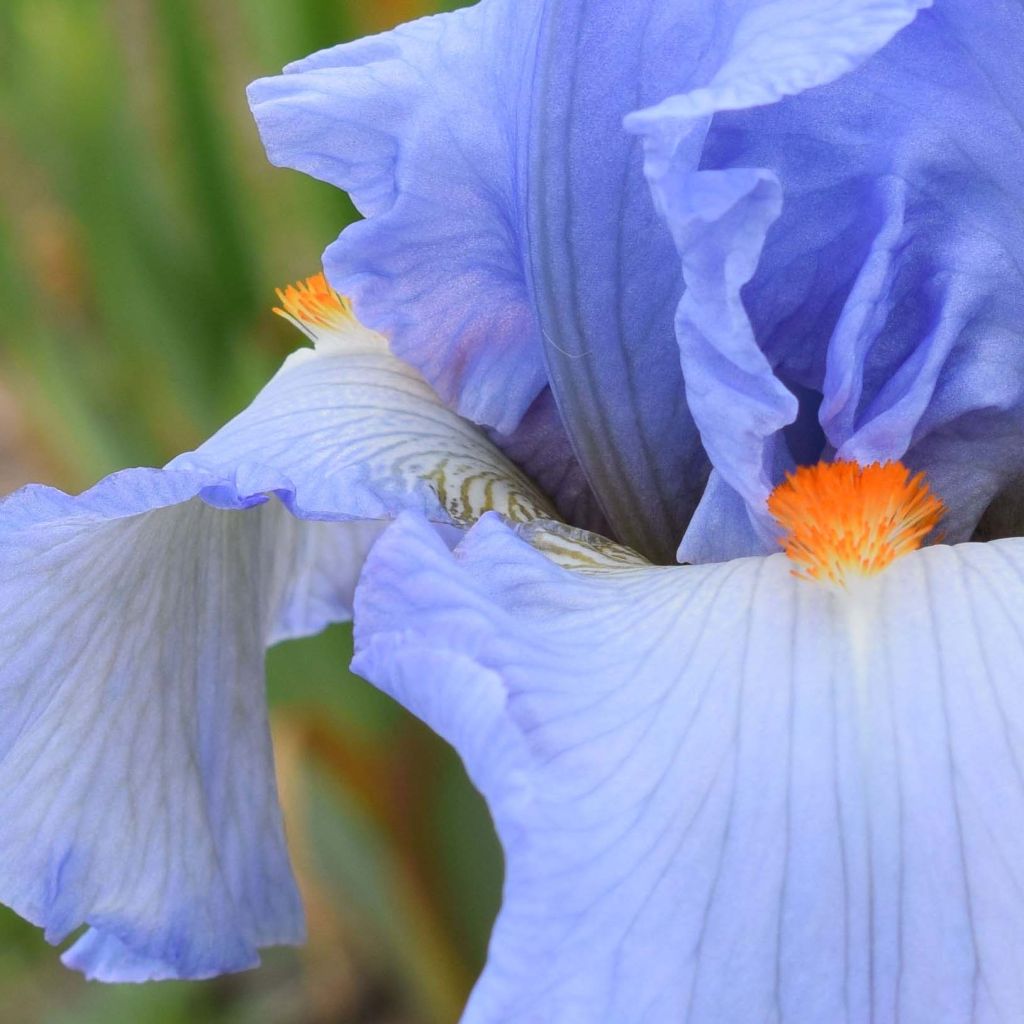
(729, 283)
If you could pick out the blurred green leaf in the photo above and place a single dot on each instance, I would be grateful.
(142, 234)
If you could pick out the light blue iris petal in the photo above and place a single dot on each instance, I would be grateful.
(726, 794)
(602, 266)
(889, 289)
(510, 239)
(720, 219)
(349, 432)
(925, 360)
(429, 157)
(326, 560)
(415, 124)
(136, 779)
(722, 526)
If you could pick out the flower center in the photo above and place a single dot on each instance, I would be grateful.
(842, 519)
(313, 304)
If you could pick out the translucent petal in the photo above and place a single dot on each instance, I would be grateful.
(136, 779)
(347, 431)
(427, 156)
(726, 794)
(135, 766)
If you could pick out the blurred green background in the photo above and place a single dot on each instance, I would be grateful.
(142, 234)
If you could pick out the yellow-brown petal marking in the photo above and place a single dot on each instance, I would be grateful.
(382, 427)
(842, 519)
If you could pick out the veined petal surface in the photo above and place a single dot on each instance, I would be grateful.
(882, 319)
(726, 794)
(510, 243)
(348, 431)
(137, 779)
(418, 125)
(720, 219)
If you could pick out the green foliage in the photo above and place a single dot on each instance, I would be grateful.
(142, 234)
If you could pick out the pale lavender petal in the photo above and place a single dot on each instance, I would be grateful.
(726, 794)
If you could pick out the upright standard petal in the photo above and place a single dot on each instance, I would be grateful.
(887, 298)
(510, 242)
(726, 794)
(720, 220)
(925, 362)
(137, 779)
(419, 126)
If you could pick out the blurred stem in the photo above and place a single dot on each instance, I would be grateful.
(204, 155)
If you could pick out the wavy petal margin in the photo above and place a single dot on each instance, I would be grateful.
(726, 794)
(414, 124)
(135, 763)
(720, 219)
(510, 242)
